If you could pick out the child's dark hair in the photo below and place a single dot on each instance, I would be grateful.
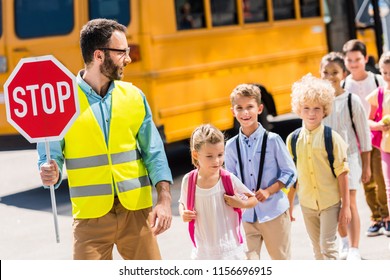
(355, 45)
(384, 59)
(335, 57)
(205, 133)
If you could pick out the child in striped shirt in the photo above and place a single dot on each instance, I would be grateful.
(352, 125)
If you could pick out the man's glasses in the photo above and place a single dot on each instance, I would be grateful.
(123, 51)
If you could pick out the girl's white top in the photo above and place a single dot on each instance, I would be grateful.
(215, 226)
(340, 120)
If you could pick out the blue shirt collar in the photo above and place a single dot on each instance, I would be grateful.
(87, 89)
(254, 136)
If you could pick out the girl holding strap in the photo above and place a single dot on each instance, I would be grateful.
(215, 216)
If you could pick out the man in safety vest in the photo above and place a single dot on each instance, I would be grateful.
(113, 155)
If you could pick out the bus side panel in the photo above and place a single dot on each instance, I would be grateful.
(194, 73)
(5, 127)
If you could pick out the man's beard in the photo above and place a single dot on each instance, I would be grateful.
(110, 69)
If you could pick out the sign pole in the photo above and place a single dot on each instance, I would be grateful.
(52, 195)
(41, 90)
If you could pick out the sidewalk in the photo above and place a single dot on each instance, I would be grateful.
(27, 226)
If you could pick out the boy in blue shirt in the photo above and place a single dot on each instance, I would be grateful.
(269, 220)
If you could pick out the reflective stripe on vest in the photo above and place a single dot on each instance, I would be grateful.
(90, 190)
(104, 189)
(95, 168)
(93, 161)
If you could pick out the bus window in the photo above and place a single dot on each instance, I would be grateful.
(189, 14)
(224, 12)
(118, 10)
(283, 9)
(310, 8)
(255, 10)
(43, 18)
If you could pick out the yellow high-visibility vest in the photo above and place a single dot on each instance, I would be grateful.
(95, 168)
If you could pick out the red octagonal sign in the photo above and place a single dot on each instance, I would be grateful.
(41, 98)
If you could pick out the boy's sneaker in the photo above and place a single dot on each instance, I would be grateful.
(386, 226)
(353, 255)
(344, 248)
(375, 229)
(343, 254)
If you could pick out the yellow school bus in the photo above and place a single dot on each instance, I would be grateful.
(188, 55)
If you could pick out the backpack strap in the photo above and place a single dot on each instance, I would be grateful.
(375, 77)
(380, 101)
(350, 111)
(379, 110)
(227, 181)
(329, 147)
(239, 158)
(376, 80)
(228, 185)
(262, 159)
(192, 177)
(293, 143)
(261, 165)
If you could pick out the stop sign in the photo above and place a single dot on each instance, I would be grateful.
(41, 98)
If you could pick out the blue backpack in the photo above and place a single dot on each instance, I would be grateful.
(328, 145)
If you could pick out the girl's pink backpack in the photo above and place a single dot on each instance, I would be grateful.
(376, 135)
(227, 184)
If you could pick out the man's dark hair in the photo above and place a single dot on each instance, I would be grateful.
(97, 34)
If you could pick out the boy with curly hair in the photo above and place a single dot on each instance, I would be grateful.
(324, 198)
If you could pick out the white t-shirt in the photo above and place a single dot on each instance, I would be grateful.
(363, 88)
(216, 223)
(340, 120)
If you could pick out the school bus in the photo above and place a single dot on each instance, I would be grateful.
(187, 55)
